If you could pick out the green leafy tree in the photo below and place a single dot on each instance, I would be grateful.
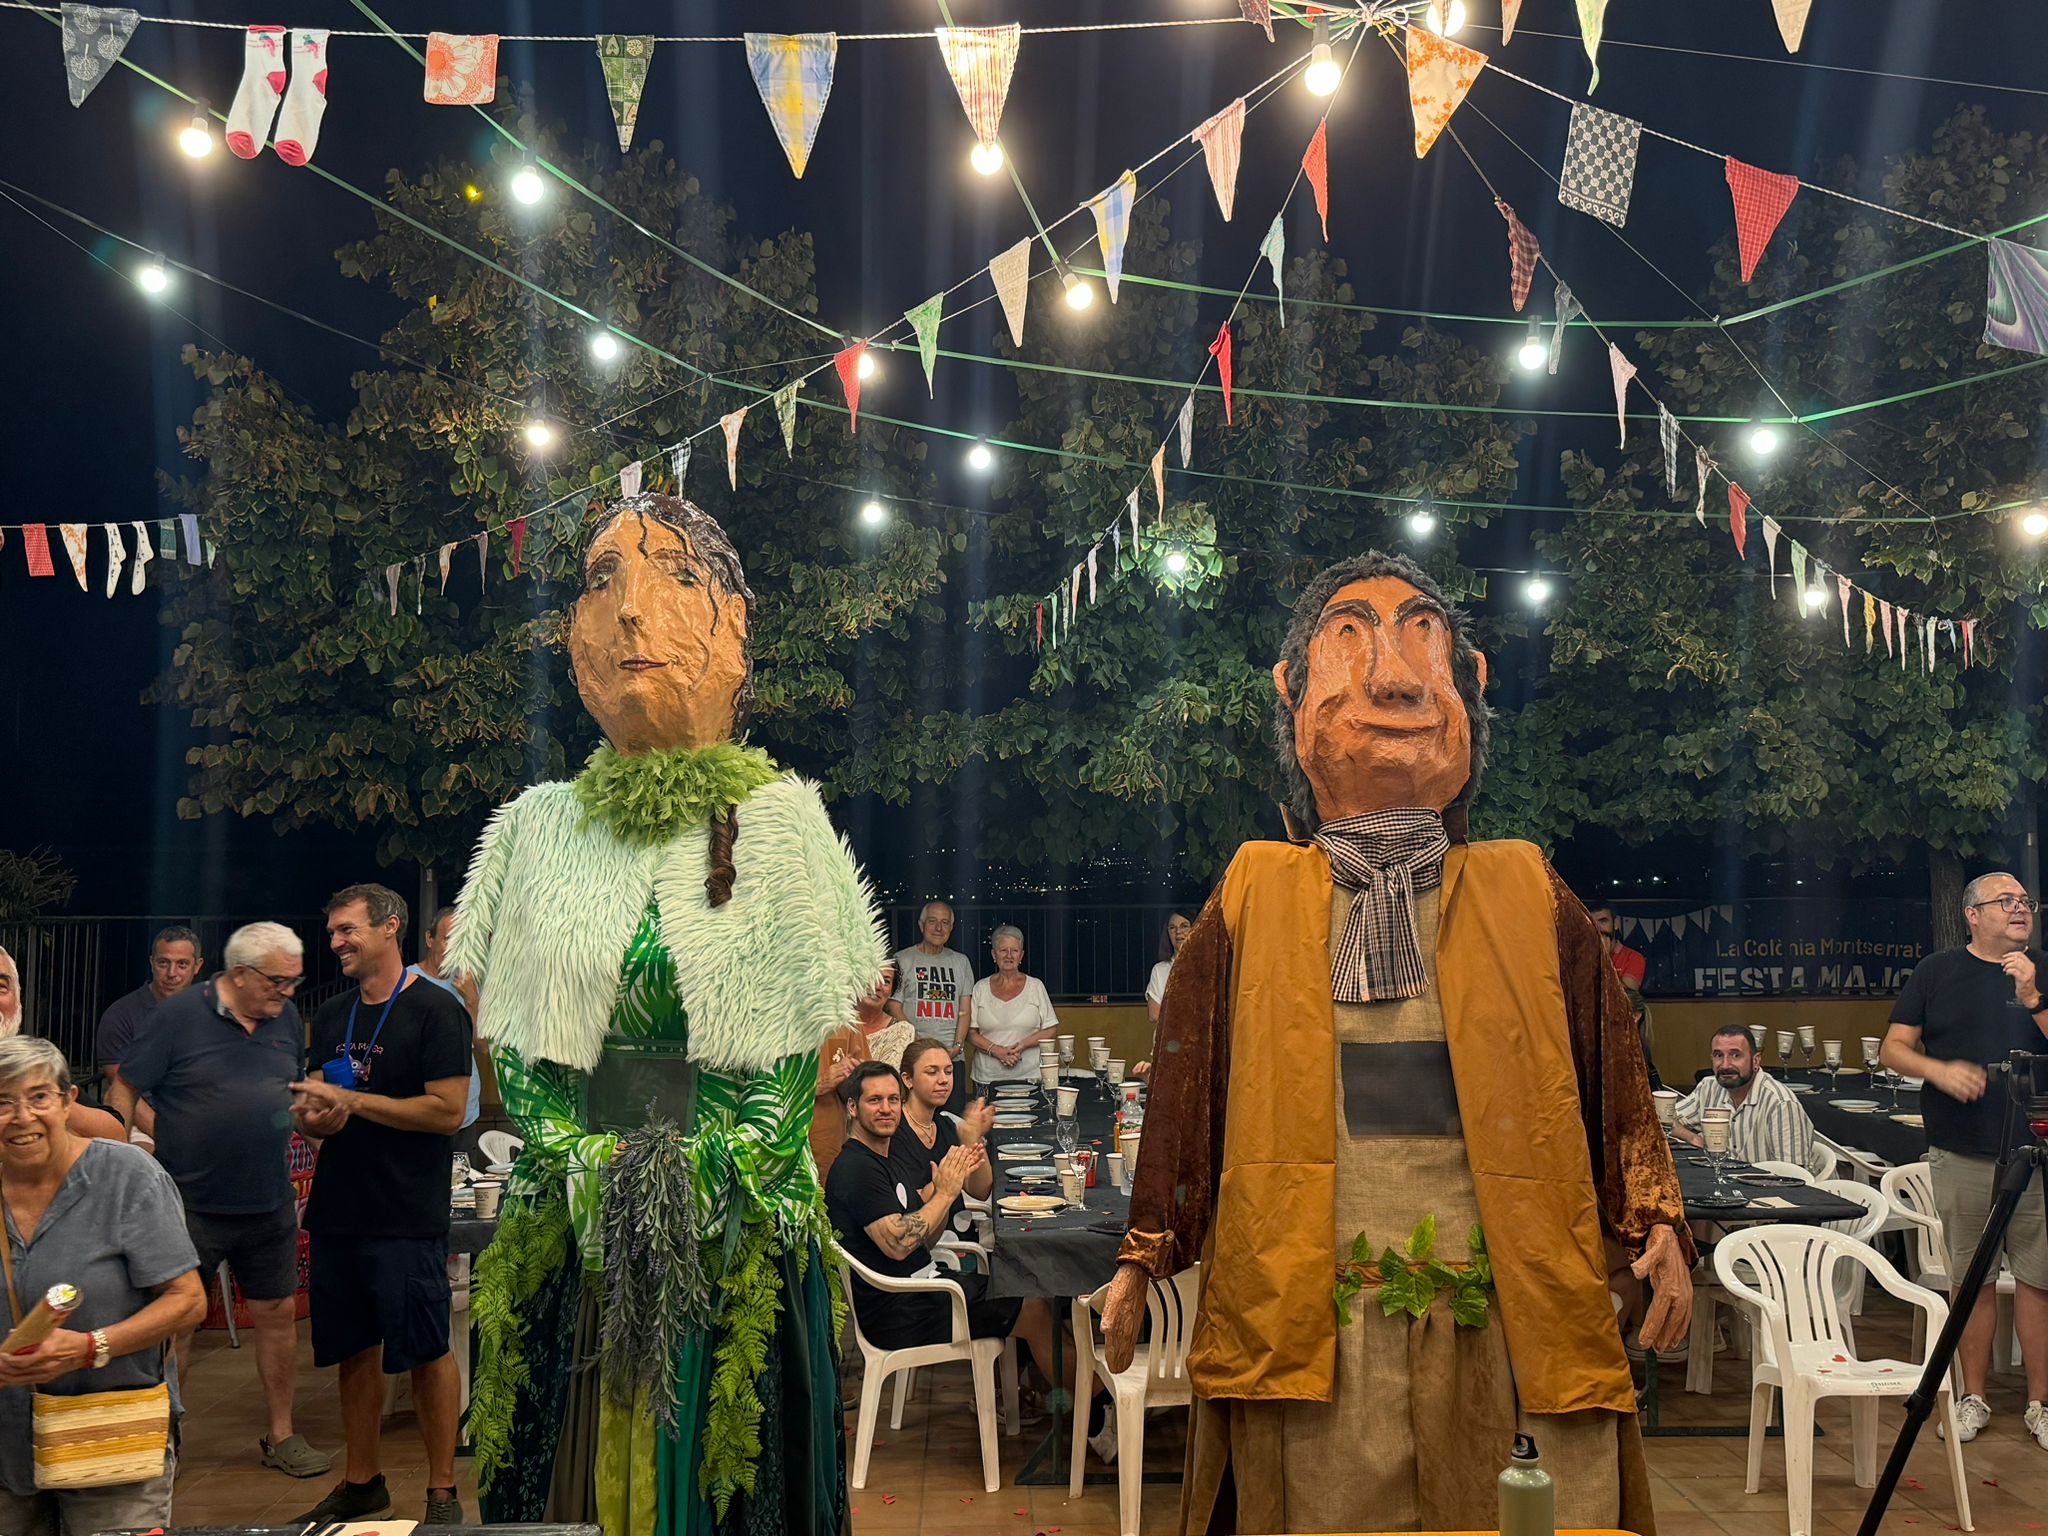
(317, 702)
(32, 883)
(1687, 691)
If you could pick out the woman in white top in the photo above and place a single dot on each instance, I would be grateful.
(1012, 1015)
(1178, 927)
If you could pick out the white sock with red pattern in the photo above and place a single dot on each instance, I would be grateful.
(298, 125)
(256, 98)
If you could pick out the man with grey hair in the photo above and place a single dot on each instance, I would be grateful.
(1961, 1011)
(217, 1062)
(934, 983)
(174, 961)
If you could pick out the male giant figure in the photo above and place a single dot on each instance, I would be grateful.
(1397, 1108)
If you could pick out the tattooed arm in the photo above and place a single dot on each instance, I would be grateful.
(905, 1233)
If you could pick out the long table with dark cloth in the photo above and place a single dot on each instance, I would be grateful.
(1877, 1134)
(1068, 1253)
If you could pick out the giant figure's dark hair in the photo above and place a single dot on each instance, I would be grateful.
(1308, 611)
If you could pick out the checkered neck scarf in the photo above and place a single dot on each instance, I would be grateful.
(1385, 857)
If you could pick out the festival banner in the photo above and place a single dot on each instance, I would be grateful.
(1777, 947)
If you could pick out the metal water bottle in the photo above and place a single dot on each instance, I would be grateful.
(1528, 1501)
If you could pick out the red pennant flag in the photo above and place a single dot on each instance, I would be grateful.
(1316, 161)
(1969, 637)
(1523, 252)
(1038, 621)
(848, 364)
(1738, 516)
(1220, 350)
(35, 539)
(517, 528)
(1761, 198)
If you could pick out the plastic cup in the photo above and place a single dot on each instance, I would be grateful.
(488, 1197)
(1806, 1036)
(1784, 1045)
(1074, 1187)
(1115, 1164)
(1714, 1130)
(1116, 1071)
(1831, 1051)
(1069, 1097)
(1666, 1100)
(1127, 1148)
(1049, 1072)
(1066, 1050)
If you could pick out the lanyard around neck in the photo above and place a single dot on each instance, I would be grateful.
(348, 1040)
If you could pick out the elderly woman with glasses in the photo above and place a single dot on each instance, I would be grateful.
(1013, 1015)
(102, 1217)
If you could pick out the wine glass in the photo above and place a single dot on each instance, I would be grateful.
(1785, 1051)
(1714, 1132)
(1806, 1034)
(1066, 1133)
(1872, 1049)
(1831, 1051)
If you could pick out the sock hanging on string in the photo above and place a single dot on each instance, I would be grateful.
(262, 87)
(298, 125)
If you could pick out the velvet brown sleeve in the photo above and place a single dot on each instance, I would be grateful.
(1632, 1166)
(1181, 1153)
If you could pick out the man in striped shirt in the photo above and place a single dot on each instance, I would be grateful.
(1769, 1123)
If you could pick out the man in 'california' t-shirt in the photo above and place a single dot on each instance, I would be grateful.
(934, 984)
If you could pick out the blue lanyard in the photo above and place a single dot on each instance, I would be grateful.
(348, 1040)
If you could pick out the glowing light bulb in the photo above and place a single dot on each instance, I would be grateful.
(1813, 599)
(1765, 439)
(1536, 590)
(1422, 524)
(874, 514)
(1079, 294)
(604, 346)
(986, 158)
(527, 185)
(1532, 354)
(1177, 562)
(1324, 74)
(866, 368)
(979, 457)
(152, 279)
(471, 191)
(539, 434)
(2035, 525)
(196, 137)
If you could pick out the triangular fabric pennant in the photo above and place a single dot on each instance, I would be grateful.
(1523, 254)
(785, 414)
(1011, 272)
(1969, 641)
(624, 61)
(94, 36)
(1222, 141)
(847, 362)
(1884, 614)
(447, 553)
(1842, 591)
(212, 552)
(1132, 507)
(1927, 644)
(1738, 516)
(730, 425)
(1667, 438)
(794, 76)
(1761, 198)
(1510, 12)
(1701, 464)
(1592, 25)
(517, 528)
(679, 462)
(1038, 626)
(1315, 163)
(1074, 592)
(188, 524)
(1599, 175)
(1771, 531)
(924, 325)
(1092, 552)
(1904, 617)
(1678, 925)
(1440, 72)
(1568, 305)
(2016, 297)
(1623, 370)
(138, 568)
(1159, 482)
(73, 535)
(419, 584)
(117, 551)
(629, 479)
(1259, 13)
(1799, 574)
(391, 586)
(1112, 210)
(1187, 428)
(981, 60)
(1116, 550)
(1274, 249)
(483, 559)
(35, 544)
(1792, 21)
(1869, 623)
(1220, 350)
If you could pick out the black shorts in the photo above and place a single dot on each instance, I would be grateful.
(903, 1322)
(262, 1250)
(368, 1291)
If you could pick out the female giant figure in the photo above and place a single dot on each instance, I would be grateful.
(662, 943)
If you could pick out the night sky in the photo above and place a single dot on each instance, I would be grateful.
(95, 392)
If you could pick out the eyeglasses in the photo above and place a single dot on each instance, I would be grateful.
(2011, 903)
(35, 1101)
(285, 984)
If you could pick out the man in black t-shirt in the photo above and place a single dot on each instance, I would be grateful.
(1961, 1011)
(386, 1083)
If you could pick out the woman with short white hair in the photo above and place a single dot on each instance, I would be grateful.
(1012, 1015)
(98, 1218)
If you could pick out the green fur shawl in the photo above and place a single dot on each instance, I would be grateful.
(554, 896)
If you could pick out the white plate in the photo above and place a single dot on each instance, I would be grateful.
(1030, 1205)
(1033, 1171)
(1014, 1122)
(1918, 1122)
(1801, 1087)
(1014, 1090)
(1024, 1149)
(1857, 1106)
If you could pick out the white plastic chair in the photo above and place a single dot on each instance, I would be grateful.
(1862, 1165)
(1820, 1159)
(1790, 1276)
(499, 1146)
(878, 1364)
(1910, 1189)
(1156, 1378)
(1786, 1170)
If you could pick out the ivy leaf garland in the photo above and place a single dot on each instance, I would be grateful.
(1409, 1278)
(655, 1286)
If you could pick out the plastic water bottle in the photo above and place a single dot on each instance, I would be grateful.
(1528, 1501)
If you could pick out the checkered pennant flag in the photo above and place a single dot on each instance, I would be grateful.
(1599, 163)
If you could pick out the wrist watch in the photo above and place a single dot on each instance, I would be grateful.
(102, 1348)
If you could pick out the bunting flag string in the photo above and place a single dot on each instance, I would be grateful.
(1440, 72)
(981, 61)
(1315, 162)
(924, 325)
(1523, 254)
(847, 364)
(1220, 350)
(730, 425)
(624, 62)
(1112, 210)
(1761, 198)
(1222, 141)
(1011, 273)
(793, 73)
(1623, 370)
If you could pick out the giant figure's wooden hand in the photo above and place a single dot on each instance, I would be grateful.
(1123, 1312)
(1663, 1265)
